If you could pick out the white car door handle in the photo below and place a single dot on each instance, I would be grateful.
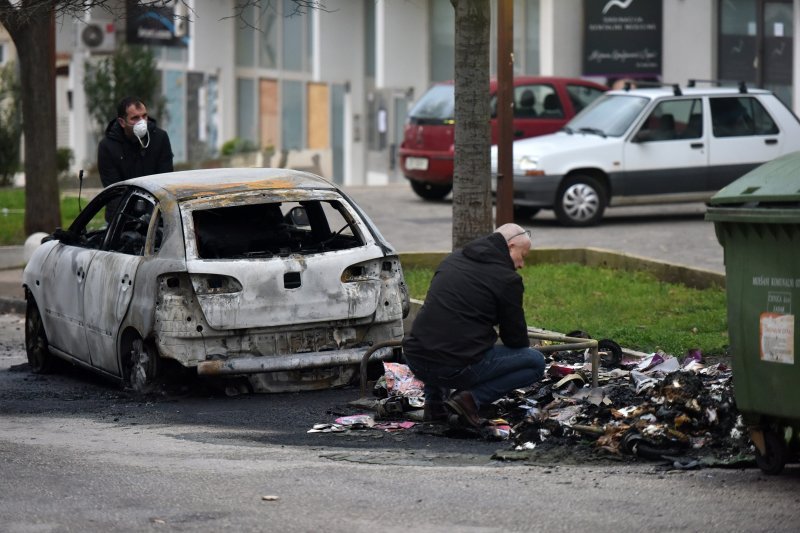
(696, 145)
(770, 141)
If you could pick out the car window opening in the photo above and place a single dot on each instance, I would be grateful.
(275, 229)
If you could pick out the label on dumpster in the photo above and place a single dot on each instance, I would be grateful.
(777, 338)
(779, 302)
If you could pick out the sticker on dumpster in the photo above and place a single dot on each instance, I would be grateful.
(779, 302)
(777, 338)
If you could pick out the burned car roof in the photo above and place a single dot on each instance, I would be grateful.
(192, 184)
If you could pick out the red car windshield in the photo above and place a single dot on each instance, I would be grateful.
(435, 107)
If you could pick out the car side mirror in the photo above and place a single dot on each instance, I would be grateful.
(64, 235)
(642, 136)
(298, 216)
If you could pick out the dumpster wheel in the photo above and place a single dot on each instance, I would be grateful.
(775, 454)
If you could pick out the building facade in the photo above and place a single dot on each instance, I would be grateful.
(330, 89)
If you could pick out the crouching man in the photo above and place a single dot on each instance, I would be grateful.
(452, 342)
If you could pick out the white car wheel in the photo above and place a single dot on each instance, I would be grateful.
(581, 202)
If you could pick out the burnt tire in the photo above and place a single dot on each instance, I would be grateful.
(431, 191)
(775, 454)
(581, 201)
(142, 366)
(40, 359)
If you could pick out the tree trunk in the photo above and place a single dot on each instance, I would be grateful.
(34, 37)
(472, 206)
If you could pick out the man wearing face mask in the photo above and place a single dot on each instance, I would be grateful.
(451, 344)
(133, 146)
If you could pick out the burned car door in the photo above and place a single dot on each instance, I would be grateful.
(65, 272)
(110, 278)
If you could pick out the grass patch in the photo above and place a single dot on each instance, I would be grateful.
(632, 308)
(12, 214)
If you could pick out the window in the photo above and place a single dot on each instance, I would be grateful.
(129, 229)
(247, 117)
(740, 116)
(277, 37)
(292, 113)
(673, 119)
(533, 101)
(275, 229)
(437, 106)
(581, 95)
(442, 31)
(610, 115)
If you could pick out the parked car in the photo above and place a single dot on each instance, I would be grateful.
(650, 146)
(227, 271)
(541, 105)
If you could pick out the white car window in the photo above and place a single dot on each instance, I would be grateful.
(740, 116)
(673, 119)
(610, 115)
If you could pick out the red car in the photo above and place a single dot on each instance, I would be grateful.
(541, 105)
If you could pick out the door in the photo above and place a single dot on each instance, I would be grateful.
(743, 136)
(756, 44)
(63, 305)
(67, 267)
(668, 154)
(110, 280)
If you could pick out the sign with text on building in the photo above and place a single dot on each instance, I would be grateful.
(622, 38)
(160, 26)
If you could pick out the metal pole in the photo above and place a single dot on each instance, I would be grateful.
(505, 112)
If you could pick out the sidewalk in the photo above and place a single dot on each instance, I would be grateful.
(12, 298)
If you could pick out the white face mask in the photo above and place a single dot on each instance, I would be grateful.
(140, 130)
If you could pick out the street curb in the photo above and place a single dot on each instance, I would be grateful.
(12, 305)
(695, 278)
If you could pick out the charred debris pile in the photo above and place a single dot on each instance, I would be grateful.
(660, 407)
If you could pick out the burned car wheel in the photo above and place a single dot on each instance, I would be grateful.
(39, 357)
(142, 366)
(581, 201)
(430, 191)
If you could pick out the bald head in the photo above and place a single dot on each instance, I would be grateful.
(518, 240)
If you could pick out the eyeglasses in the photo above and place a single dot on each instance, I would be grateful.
(526, 232)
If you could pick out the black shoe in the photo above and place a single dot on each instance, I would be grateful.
(463, 404)
(435, 412)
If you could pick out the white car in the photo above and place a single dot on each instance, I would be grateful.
(271, 274)
(650, 146)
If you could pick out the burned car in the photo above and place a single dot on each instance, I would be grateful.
(272, 274)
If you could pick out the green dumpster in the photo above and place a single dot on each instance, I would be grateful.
(757, 221)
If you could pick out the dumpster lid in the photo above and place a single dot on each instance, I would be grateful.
(775, 182)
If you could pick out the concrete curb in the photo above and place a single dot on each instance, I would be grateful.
(12, 305)
(695, 278)
(12, 257)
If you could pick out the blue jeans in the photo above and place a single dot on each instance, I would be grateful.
(501, 370)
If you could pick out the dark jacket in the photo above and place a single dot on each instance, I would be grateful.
(473, 290)
(120, 158)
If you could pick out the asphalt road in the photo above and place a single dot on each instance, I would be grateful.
(675, 233)
(79, 454)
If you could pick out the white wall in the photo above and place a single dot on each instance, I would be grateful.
(339, 54)
(402, 55)
(561, 37)
(690, 40)
(213, 42)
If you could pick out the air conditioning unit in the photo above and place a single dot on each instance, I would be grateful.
(99, 36)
